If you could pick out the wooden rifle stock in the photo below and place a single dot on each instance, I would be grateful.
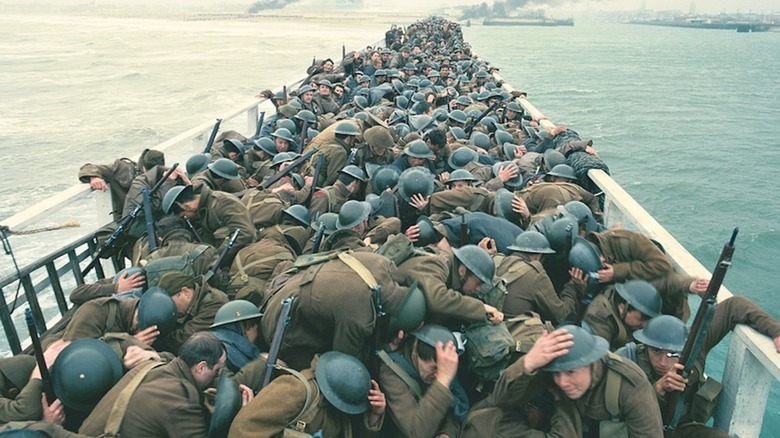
(674, 405)
(231, 241)
(38, 350)
(150, 235)
(213, 135)
(276, 342)
(287, 170)
(259, 126)
(316, 177)
(471, 125)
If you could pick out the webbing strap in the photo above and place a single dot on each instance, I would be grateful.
(613, 389)
(359, 269)
(112, 308)
(242, 268)
(400, 372)
(516, 271)
(294, 423)
(120, 405)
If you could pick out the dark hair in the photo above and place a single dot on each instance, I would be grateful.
(202, 346)
(186, 195)
(346, 178)
(437, 137)
(425, 351)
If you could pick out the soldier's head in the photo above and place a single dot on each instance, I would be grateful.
(181, 288)
(426, 339)
(474, 266)
(460, 178)
(637, 301)
(205, 355)
(436, 139)
(327, 65)
(346, 131)
(239, 316)
(664, 337)
(182, 202)
(150, 158)
(572, 371)
(306, 93)
(283, 139)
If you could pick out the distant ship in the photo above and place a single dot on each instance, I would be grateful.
(741, 24)
(526, 21)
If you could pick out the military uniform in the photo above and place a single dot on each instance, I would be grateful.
(26, 405)
(224, 185)
(635, 257)
(99, 316)
(380, 228)
(279, 403)
(530, 289)
(218, 210)
(134, 197)
(437, 277)
(471, 198)
(543, 198)
(118, 175)
(604, 320)
(334, 154)
(329, 199)
(327, 318)
(167, 403)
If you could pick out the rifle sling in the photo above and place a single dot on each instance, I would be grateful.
(401, 373)
(122, 402)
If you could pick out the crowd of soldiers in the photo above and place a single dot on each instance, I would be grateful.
(399, 251)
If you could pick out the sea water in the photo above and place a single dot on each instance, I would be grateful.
(684, 118)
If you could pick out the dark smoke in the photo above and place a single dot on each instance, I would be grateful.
(263, 5)
(505, 8)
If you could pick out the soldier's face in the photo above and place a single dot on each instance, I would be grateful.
(324, 90)
(574, 383)
(660, 360)
(634, 319)
(282, 145)
(427, 369)
(415, 162)
(308, 96)
(458, 184)
(205, 376)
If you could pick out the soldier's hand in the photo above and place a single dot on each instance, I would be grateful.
(126, 283)
(777, 343)
(548, 347)
(265, 93)
(508, 172)
(54, 413)
(419, 201)
(519, 206)
(578, 278)
(494, 315)
(489, 245)
(252, 182)
(136, 355)
(413, 233)
(148, 335)
(520, 151)
(699, 286)
(607, 274)
(376, 399)
(97, 183)
(590, 151)
(481, 151)
(246, 394)
(444, 177)
(671, 381)
(446, 363)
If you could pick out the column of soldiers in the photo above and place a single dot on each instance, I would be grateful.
(331, 296)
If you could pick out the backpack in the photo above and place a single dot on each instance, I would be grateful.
(250, 278)
(265, 209)
(398, 248)
(194, 262)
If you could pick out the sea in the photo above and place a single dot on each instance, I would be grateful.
(684, 118)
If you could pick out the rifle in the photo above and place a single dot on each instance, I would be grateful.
(317, 240)
(192, 229)
(149, 220)
(213, 135)
(317, 171)
(343, 52)
(351, 157)
(36, 344)
(259, 126)
(284, 95)
(124, 224)
(287, 170)
(276, 342)
(690, 353)
(474, 122)
(464, 231)
(231, 241)
(304, 133)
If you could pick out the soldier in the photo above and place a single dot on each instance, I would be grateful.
(237, 325)
(350, 182)
(319, 399)
(416, 154)
(528, 286)
(169, 399)
(324, 97)
(335, 153)
(259, 160)
(217, 214)
(378, 149)
(461, 194)
(327, 318)
(622, 309)
(306, 96)
(611, 394)
(447, 279)
(662, 340)
(221, 175)
(284, 141)
(118, 176)
(424, 397)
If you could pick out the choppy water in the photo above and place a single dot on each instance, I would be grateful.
(685, 119)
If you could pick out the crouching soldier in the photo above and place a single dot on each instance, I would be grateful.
(319, 399)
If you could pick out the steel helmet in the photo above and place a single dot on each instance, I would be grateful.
(267, 145)
(171, 196)
(413, 181)
(428, 233)
(156, 307)
(298, 180)
(227, 403)
(299, 213)
(225, 168)
(305, 89)
(375, 201)
(311, 133)
(411, 312)
(458, 116)
(84, 372)
(352, 213)
(235, 311)
(503, 137)
(346, 128)
(478, 261)
(381, 71)
(483, 95)
(563, 171)
(581, 212)
(641, 295)
(514, 106)
(502, 204)
(401, 130)
(378, 137)
(586, 350)
(431, 334)
(354, 172)
(584, 255)
(533, 242)
(460, 175)
(463, 100)
(553, 158)
(482, 74)
(325, 82)
(461, 157)
(327, 220)
(283, 133)
(308, 116)
(517, 182)
(458, 133)
(558, 231)
(360, 101)
(481, 140)
(344, 382)
(401, 102)
(421, 122)
(197, 164)
(283, 157)
(233, 145)
(418, 149)
(665, 332)
(132, 293)
(291, 107)
(385, 177)
(440, 114)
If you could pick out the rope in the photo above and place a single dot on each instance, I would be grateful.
(71, 224)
